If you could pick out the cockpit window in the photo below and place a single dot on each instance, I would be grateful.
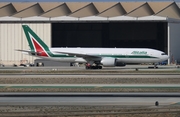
(163, 54)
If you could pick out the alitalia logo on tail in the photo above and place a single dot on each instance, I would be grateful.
(37, 47)
(36, 44)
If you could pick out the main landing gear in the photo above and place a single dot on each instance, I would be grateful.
(89, 66)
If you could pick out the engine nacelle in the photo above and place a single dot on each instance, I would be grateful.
(111, 62)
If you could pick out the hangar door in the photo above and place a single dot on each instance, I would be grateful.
(110, 34)
(174, 42)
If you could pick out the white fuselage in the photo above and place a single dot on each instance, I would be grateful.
(125, 55)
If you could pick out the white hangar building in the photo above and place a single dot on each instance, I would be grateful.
(90, 24)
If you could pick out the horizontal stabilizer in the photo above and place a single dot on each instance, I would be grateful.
(28, 51)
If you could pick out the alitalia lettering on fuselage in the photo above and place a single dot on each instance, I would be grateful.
(139, 52)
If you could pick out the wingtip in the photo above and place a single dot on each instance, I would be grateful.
(17, 49)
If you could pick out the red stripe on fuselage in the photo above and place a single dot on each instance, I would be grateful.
(39, 49)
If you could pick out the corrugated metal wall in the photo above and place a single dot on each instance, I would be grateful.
(12, 37)
(173, 41)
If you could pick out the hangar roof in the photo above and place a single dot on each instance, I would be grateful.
(89, 11)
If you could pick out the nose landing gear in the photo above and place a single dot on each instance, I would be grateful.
(154, 66)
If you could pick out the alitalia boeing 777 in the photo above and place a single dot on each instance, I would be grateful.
(94, 58)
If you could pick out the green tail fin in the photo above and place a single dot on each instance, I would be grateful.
(35, 43)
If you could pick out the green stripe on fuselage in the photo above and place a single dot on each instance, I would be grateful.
(128, 56)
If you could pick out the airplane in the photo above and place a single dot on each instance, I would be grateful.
(94, 58)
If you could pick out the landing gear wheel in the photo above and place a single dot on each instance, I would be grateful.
(96, 66)
(88, 67)
(99, 67)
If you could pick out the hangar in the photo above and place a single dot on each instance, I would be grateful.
(90, 24)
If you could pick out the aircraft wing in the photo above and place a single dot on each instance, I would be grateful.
(28, 51)
(83, 55)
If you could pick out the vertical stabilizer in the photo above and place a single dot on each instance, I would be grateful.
(35, 43)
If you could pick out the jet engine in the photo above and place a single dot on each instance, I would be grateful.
(111, 62)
